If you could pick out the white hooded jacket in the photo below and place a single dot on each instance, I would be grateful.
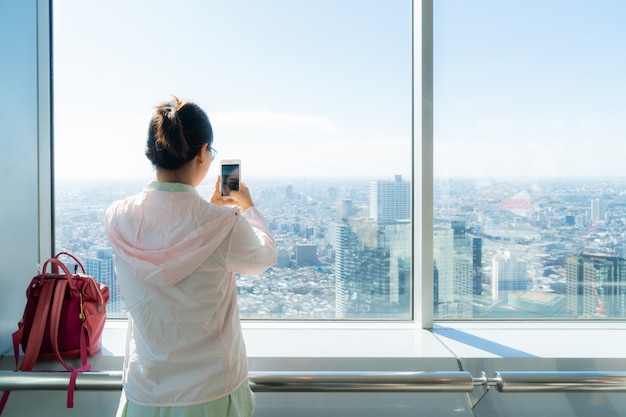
(176, 255)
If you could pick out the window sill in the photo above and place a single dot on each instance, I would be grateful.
(383, 346)
(407, 340)
(304, 346)
(575, 339)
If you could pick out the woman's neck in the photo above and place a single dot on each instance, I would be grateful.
(169, 175)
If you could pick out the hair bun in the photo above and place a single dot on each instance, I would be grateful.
(177, 131)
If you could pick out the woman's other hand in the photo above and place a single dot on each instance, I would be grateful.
(239, 198)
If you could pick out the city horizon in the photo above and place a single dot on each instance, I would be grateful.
(533, 230)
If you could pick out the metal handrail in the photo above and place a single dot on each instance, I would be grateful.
(560, 381)
(362, 381)
(263, 381)
(454, 381)
(53, 380)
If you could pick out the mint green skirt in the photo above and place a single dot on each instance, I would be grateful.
(238, 404)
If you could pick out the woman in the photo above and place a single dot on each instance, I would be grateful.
(176, 255)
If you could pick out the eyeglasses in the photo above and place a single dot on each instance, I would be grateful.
(213, 153)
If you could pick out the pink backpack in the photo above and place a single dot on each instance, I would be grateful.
(64, 318)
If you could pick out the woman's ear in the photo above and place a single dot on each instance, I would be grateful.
(202, 154)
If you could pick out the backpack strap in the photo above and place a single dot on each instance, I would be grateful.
(4, 399)
(35, 337)
(85, 367)
(55, 319)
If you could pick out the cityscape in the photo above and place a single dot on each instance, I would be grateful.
(507, 248)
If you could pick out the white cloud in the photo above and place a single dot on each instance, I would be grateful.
(267, 121)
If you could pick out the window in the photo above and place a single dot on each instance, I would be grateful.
(529, 149)
(314, 97)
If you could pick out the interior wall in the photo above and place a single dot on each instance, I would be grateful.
(19, 158)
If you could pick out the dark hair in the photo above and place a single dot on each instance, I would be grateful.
(177, 131)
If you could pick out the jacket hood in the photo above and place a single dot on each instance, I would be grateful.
(166, 254)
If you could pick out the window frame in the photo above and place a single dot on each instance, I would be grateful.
(423, 217)
(422, 176)
(421, 273)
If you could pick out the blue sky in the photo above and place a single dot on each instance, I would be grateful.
(530, 88)
(293, 88)
(323, 88)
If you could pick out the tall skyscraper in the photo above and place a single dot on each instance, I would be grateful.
(435, 288)
(509, 274)
(373, 255)
(102, 268)
(574, 285)
(598, 211)
(477, 264)
(596, 285)
(362, 261)
(443, 256)
(341, 253)
(397, 237)
(372, 269)
(467, 268)
(458, 257)
(390, 200)
(289, 192)
(463, 285)
(306, 254)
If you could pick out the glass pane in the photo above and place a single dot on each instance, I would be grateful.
(529, 149)
(314, 97)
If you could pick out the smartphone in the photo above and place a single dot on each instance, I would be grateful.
(231, 175)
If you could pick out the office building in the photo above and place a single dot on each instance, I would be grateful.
(443, 256)
(596, 285)
(598, 210)
(390, 201)
(509, 275)
(306, 254)
(102, 268)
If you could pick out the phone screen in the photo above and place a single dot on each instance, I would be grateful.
(230, 178)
